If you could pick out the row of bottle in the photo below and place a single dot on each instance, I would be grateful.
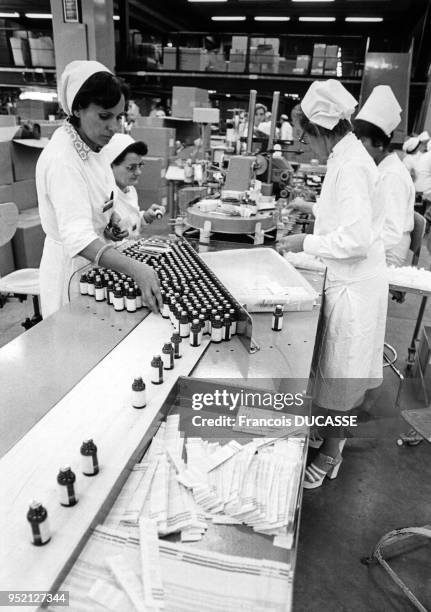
(37, 515)
(120, 291)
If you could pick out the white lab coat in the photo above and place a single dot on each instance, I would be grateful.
(347, 236)
(127, 206)
(411, 161)
(423, 175)
(74, 188)
(397, 193)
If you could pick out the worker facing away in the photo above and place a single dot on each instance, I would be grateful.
(347, 237)
(374, 126)
(76, 187)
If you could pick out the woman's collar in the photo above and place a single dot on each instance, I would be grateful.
(81, 147)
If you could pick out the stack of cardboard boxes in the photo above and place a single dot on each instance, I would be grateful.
(152, 187)
(325, 59)
(193, 59)
(17, 184)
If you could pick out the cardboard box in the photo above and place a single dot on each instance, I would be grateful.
(319, 50)
(42, 51)
(6, 193)
(152, 175)
(28, 240)
(332, 50)
(8, 120)
(25, 154)
(286, 66)
(185, 99)
(169, 58)
(48, 129)
(24, 194)
(193, 59)
(6, 171)
(159, 140)
(35, 109)
(317, 65)
(7, 264)
(146, 197)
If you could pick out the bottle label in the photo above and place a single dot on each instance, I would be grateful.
(83, 288)
(216, 334)
(131, 304)
(157, 374)
(168, 361)
(100, 294)
(118, 303)
(90, 289)
(138, 398)
(277, 323)
(184, 330)
(110, 297)
(68, 496)
(194, 339)
(139, 301)
(41, 532)
(89, 464)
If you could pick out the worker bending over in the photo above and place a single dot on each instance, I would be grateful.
(126, 158)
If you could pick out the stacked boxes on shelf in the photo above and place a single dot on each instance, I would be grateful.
(331, 60)
(318, 62)
(185, 99)
(193, 58)
(169, 58)
(302, 65)
(238, 54)
(42, 51)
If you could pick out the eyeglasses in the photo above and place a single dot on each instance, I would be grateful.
(134, 167)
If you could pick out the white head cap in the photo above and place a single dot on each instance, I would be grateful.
(117, 144)
(326, 102)
(73, 78)
(381, 109)
(411, 144)
(424, 136)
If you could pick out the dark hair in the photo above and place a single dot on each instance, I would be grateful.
(103, 89)
(138, 147)
(408, 152)
(365, 129)
(342, 128)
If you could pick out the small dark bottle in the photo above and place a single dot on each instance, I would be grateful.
(168, 356)
(118, 298)
(184, 325)
(110, 292)
(139, 399)
(157, 370)
(89, 461)
(217, 329)
(83, 287)
(227, 323)
(37, 516)
(139, 302)
(99, 289)
(66, 482)
(90, 285)
(176, 343)
(131, 300)
(195, 333)
(277, 319)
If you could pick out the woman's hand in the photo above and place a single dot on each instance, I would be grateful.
(294, 243)
(300, 205)
(148, 282)
(150, 214)
(113, 230)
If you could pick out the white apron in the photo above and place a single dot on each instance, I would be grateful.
(75, 189)
(348, 228)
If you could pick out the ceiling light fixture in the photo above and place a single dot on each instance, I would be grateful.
(267, 18)
(207, 0)
(116, 17)
(317, 19)
(364, 19)
(228, 18)
(314, 1)
(7, 15)
(38, 15)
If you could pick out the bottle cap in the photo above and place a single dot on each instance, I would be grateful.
(34, 504)
(65, 468)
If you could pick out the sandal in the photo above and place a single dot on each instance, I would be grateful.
(315, 475)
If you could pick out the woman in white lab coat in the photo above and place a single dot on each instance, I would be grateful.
(347, 237)
(412, 150)
(374, 126)
(76, 188)
(126, 158)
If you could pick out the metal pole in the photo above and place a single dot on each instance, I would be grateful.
(251, 108)
(274, 113)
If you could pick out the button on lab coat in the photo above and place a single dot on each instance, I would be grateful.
(347, 236)
(397, 193)
(74, 188)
